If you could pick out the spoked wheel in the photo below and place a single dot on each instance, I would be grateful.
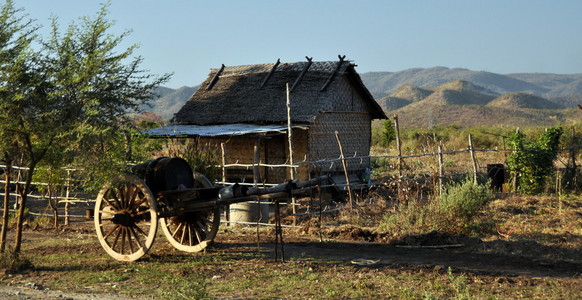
(126, 218)
(192, 231)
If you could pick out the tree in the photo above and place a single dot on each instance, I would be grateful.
(82, 86)
(388, 133)
(16, 35)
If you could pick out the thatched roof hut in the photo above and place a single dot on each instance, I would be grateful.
(246, 108)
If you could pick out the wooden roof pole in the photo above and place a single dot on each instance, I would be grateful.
(271, 72)
(339, 64)
(298, 81)
(215, 78)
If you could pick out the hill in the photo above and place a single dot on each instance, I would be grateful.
(170, 101)
(389, 103)
(411, 92)
(463, 103)
(523, 100)
(559, 88)
(473, 115)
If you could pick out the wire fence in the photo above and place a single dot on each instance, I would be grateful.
(417, 175)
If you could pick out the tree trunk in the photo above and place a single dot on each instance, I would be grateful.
(20, 217)
(53, 205)
(6, 206)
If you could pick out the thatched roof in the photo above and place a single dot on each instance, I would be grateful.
(257, 94)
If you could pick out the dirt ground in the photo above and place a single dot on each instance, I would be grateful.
(432, 252)
(348, 248)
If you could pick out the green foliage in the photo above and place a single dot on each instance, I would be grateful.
(532, 162)
(17, 63)
(461, 202)
(14, 262)
(66, 101)
(388, 133)
(203, 158)
(453, 212)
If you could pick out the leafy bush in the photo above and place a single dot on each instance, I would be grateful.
(532, 162)
(453, 212)
(461, 202)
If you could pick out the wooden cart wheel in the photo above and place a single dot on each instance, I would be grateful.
(126, 218)
(192, 231)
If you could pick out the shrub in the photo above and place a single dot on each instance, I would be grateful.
(533, 161)
(464, 200)
(13, 262)
(453, 212)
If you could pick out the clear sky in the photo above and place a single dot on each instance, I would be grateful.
(188, 38)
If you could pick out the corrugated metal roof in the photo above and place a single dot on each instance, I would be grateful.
(216, 130)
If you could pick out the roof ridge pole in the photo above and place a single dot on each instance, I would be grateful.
(339, 64)
(298, 81)
(271, 72)
(215, 78)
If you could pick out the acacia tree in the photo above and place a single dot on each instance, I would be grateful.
(16, 34)
(83, 87)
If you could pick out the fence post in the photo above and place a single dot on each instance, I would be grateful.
(574, 179)
(290, 137)
(441, 170)
(472, 151)
(399, 148)
(67, 193)
(5, 213)
(227, 207)
(345, 166)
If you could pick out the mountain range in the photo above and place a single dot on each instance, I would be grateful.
(443, 96)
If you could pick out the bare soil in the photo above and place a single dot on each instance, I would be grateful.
(344, 250)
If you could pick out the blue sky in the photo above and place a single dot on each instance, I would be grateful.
(189, 38)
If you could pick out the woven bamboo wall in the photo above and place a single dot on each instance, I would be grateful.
(274, 150)
(350, 119)
(354, 134)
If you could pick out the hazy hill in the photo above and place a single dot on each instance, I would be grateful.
(473, 115)
(389, 103)
(523, 100)
(456, 97)
(170, 101)
(411, 92)
(463, 103)
(555, 87)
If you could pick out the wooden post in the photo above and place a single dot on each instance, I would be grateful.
(67, 194)
(290, 138)
(441, 170)
(472, 151)
(574, 175)
(399, 148)
(256, 162)
(6, 207)
(223, 155)
(227, 207)
(345, 166)
(256, 180)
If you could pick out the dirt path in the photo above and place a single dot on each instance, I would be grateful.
(434, 257)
